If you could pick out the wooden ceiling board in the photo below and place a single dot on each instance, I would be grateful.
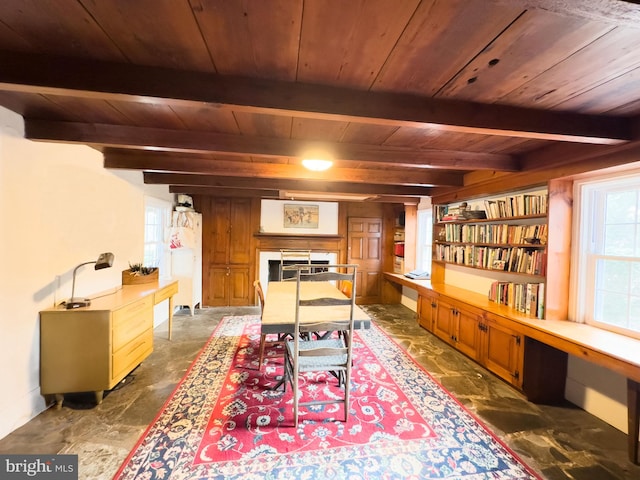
(37, 106)
(57, 27)
(153, 115)
(532, 44)
(263, 125)
(207, 118)
(384, 83)
(624, 89)
(317, 130)
(366, 133)
(253, 37)
(151, 32)
(605, 59)
(347, 43)
(91, 111)
(442, 37)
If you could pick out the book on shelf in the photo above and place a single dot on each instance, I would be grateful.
(517, 206)
(527, 298)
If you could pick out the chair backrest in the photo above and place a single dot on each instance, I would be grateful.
(258, 286)
(301, 257)
(337, 310)
(346, 287)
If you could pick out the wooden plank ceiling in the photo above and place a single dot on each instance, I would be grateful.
(409, 97)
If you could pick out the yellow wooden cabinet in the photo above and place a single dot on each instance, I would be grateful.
(92, 349)
(493, 341)
(427, 310)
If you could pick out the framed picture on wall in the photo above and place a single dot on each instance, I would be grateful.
(300, 215)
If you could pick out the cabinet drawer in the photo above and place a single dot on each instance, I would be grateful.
(131, 324)
(166, 292)
(125, 313)
(131, 355)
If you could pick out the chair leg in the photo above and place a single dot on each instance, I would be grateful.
(295, 398)
(347, 382)
(263, 339)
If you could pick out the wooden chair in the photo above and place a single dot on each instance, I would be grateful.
(346, 287)
(331, 354)
(301, 257)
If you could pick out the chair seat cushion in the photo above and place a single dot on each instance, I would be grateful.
(319, 362)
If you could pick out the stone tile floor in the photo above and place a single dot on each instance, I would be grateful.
(559, 442)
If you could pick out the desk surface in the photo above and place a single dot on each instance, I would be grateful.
(123, 295)
(280, 306)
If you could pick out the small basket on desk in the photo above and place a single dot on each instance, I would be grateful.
(130, 278)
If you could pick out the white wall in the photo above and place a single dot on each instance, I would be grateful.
(58, 208)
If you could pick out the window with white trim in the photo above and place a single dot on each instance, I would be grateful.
(157, 215)
(607, 254)
(425, 233)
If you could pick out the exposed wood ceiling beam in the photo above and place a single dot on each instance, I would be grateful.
(120, 136)
(151, 163)
(276, 194)
(111, 81)
(176, 180)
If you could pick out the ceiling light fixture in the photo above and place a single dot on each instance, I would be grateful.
(316, 164)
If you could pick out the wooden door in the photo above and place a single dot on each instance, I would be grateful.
(221, 223)
(240, 231)
(364, 248)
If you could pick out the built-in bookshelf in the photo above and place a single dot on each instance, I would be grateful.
(506, 235)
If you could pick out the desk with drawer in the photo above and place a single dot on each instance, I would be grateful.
(91, 349)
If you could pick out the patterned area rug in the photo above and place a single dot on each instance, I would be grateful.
(226, 421)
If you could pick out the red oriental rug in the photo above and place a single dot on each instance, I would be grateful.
(224, 421)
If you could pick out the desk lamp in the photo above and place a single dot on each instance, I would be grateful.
(105, 260)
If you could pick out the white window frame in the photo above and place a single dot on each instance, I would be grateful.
(424, 240)
(163, 208)
(587, 240)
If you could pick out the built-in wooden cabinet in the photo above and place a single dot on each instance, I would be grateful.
(427, 310)
(457, 324)
(502, 348)
(492, 341)
(229, 285)
(227, 258)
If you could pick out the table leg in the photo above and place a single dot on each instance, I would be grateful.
(633, 418)
(170, 315)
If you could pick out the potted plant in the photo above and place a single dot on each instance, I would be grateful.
(138, 273)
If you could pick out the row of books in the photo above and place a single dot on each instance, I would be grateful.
(517, 206)
(496, 233)
(509, 259)
(527, 298)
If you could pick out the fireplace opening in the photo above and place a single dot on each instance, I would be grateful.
(274, 268)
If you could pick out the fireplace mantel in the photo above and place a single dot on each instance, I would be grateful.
(322, 246)
(276, 241)
(288, 235)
